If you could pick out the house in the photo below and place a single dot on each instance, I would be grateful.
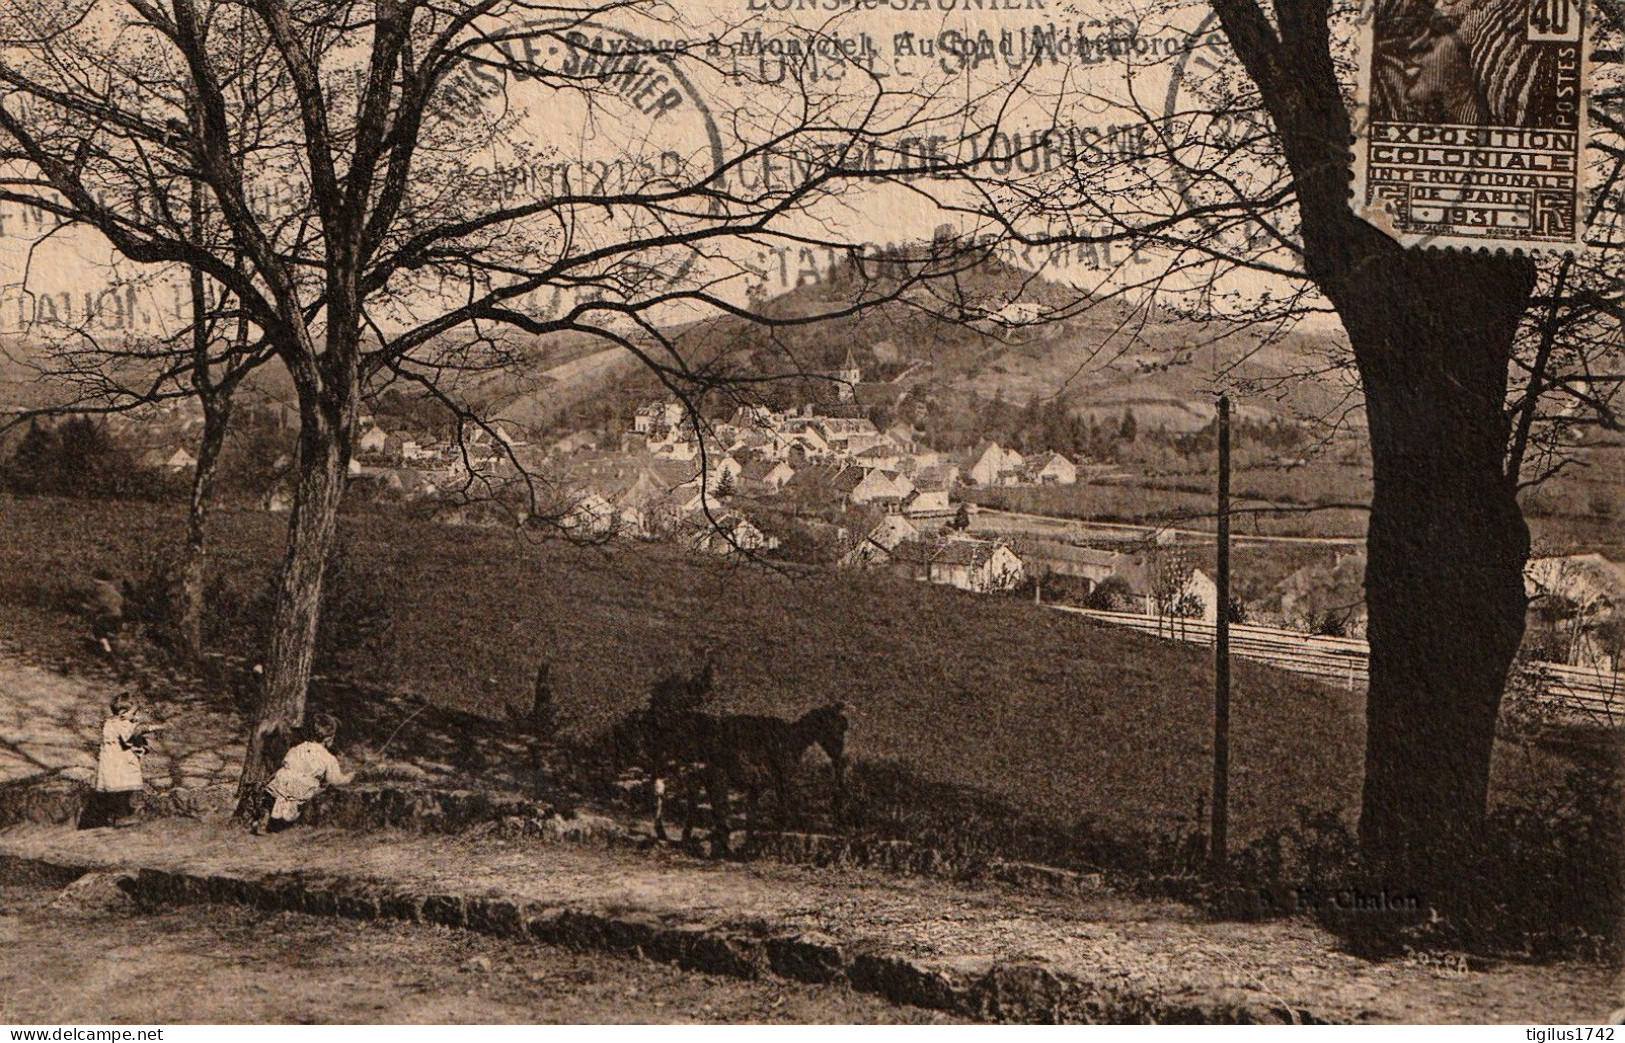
(1198, 598)
(821, 486)
(811, 443)
(966, 562)
(725, 470)
(733, 533)
(279, 498)
(994, 465)
(928, 503)
(409, 483)
(1052, 469)
(590, 514)
(752, 418)
(879, 455)
(693, 499)
(765, 475)
(933, 492)
(175, 460)
(579, 442)
(839, 431)
(374, 441)
(983, 566)
(903, 435)
(1584, 580)
(876, 548)
(877, 486)
(675, 444)
(1093, 565)
(413, 452)
(657, 417)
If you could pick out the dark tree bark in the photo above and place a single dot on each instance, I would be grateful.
(324, 457)
(194, 567)
(1433, 335)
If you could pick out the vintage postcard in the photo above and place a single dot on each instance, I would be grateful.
(810, 512)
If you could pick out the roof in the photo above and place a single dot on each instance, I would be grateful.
(848, 479)
(938, 477)
(758, 470)
(966, 552)
(847, 425)
(953, 551)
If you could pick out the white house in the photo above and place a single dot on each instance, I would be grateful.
(732, 534)
(674, 448)
(373, 442)
(1200, 594)
(993, 465)
(876, 548)
(928, 503)
(1053, 469)
(725, 470)
(979, 565)
(880, 485)
(656, 417)
(767, 475)
(966, 562)
(176, 460)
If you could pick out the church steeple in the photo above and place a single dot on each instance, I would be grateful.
(849, 375)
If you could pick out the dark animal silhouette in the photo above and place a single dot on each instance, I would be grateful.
(739, 751)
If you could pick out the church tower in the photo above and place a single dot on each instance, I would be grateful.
(849, 376)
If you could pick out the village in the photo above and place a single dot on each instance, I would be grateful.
(822, 485)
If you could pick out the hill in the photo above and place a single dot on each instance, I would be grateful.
(929, 351)
(1062, 718)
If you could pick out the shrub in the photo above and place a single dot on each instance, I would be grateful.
(1112, 594)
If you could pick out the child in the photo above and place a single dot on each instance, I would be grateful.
(305, 770)
(118, 765)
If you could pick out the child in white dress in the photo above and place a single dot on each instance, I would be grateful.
(306, 769)
(118, 765)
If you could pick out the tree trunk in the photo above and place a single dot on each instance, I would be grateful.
(1446, 550)
(324, 457)
(1433, 334)
(216, 415)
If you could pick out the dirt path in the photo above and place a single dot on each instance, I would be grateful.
(50, 724)
(1162, 950)
(100, 965)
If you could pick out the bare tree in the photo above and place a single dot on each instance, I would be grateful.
(130, 372)
(425, 212)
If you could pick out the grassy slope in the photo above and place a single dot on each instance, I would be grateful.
(1061, 716)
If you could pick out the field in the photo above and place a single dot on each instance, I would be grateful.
(1577, 511)
(1068, 721)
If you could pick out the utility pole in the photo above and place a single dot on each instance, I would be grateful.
(1218, 833)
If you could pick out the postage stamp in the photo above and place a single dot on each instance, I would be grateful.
(1471, 125)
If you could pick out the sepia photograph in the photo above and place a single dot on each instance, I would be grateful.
(811, 512)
